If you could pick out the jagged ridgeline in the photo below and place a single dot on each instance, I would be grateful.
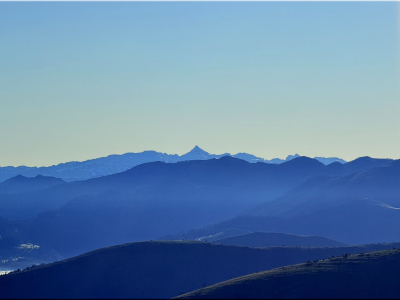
(76, 170)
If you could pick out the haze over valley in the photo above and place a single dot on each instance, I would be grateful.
(193, 199)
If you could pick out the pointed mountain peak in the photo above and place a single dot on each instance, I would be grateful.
(197, 149)
(197, 153)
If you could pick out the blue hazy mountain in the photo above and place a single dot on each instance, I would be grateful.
(288, 158)
(324, 160)
(112, 164)
(156, 199)
(224, 180)
(356, 208)
(20, 184)
(356, 222)
(329, 160)
(102, 166)
(153, 199)
(378, 185)
(199, 154)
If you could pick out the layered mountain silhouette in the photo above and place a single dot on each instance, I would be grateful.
(378, 185)
(158, 199)
(356, 222)
(72, 171)
(157, 269)
(231, 180)
(355, 208)
(371, 275)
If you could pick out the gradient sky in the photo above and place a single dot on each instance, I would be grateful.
(84, 80)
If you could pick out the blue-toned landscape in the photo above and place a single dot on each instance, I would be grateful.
(225, 150)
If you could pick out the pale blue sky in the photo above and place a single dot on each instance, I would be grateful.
(84, 80)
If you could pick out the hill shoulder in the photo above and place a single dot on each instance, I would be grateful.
(347, 276)
(275, 239)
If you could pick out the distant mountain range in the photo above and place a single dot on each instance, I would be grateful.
(72, 171)
(150, 200)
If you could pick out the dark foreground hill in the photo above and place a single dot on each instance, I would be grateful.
(155, 269)
(274, 239)
(369, 275)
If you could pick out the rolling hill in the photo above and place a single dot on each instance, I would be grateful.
(368, 275)
(274, 239)
(156, 269)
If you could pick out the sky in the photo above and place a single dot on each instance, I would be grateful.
(81, 80)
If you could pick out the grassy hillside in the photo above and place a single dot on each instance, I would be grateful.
(155, 269)
(274, 239)
(370, 275)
